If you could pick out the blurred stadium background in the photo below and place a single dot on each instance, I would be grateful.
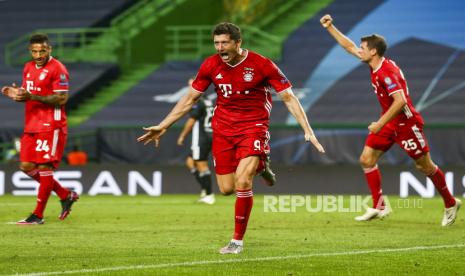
(129, 60)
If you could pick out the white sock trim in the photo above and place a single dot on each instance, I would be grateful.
(369, 170)
(238, 242)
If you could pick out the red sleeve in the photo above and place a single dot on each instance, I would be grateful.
(203, 80)
(60, 82)
(390, 80)
(275, 77)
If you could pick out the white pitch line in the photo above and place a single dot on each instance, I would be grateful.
(260, 259)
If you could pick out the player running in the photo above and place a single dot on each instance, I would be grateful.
(399, 123)
(243, 81)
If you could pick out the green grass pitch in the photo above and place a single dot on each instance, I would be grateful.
(174, 235)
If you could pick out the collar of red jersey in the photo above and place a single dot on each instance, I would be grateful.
(380, 64)
(240, 53)
(44, 64)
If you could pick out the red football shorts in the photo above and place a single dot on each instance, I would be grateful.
(43, 147)
(229, 150)
(409, 137)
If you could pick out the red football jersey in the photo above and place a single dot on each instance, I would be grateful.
(46, 80)
(387, 80)
(243, 104)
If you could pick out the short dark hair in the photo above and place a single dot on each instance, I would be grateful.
(376, 41)
(39, 38)
(231, 29)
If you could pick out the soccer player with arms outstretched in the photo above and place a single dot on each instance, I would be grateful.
(44, 92)
(243, 81)
(399, 123)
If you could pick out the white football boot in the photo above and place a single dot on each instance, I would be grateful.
(232, 248)
(373, 213)
(208, 199)
(450, 214)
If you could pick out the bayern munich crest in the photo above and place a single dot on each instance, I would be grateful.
(248, 74)
(248, 77)
(42, 75)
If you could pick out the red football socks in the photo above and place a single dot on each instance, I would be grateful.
(439, 181)
(373, 178)
(45, 189)
(244, 203)
(61, 192)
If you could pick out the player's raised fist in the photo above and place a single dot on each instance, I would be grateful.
(312, 139)
(326, 21)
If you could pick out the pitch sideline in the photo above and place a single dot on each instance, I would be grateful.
(227, 261)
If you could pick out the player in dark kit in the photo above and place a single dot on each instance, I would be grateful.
(243, 81)
(199, 123)
(399, 123)
(44, 92)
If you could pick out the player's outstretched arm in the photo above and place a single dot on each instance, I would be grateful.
(187, 128)
(183, 106)
(346, 43)
(295, 108)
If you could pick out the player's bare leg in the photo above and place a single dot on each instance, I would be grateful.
(205, 181)
(368, 160)
(452, 205)
(243, 177)
(226, 183)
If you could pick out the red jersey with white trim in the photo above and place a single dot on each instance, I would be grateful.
(244, 90)
(43, 81)
(387, 80)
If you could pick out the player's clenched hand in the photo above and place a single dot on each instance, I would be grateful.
(374, 127)
(311, 138)
(7, 91)
(326, 21)
(152, 133)
(10, 91)
(22, 95)
(15, 93)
